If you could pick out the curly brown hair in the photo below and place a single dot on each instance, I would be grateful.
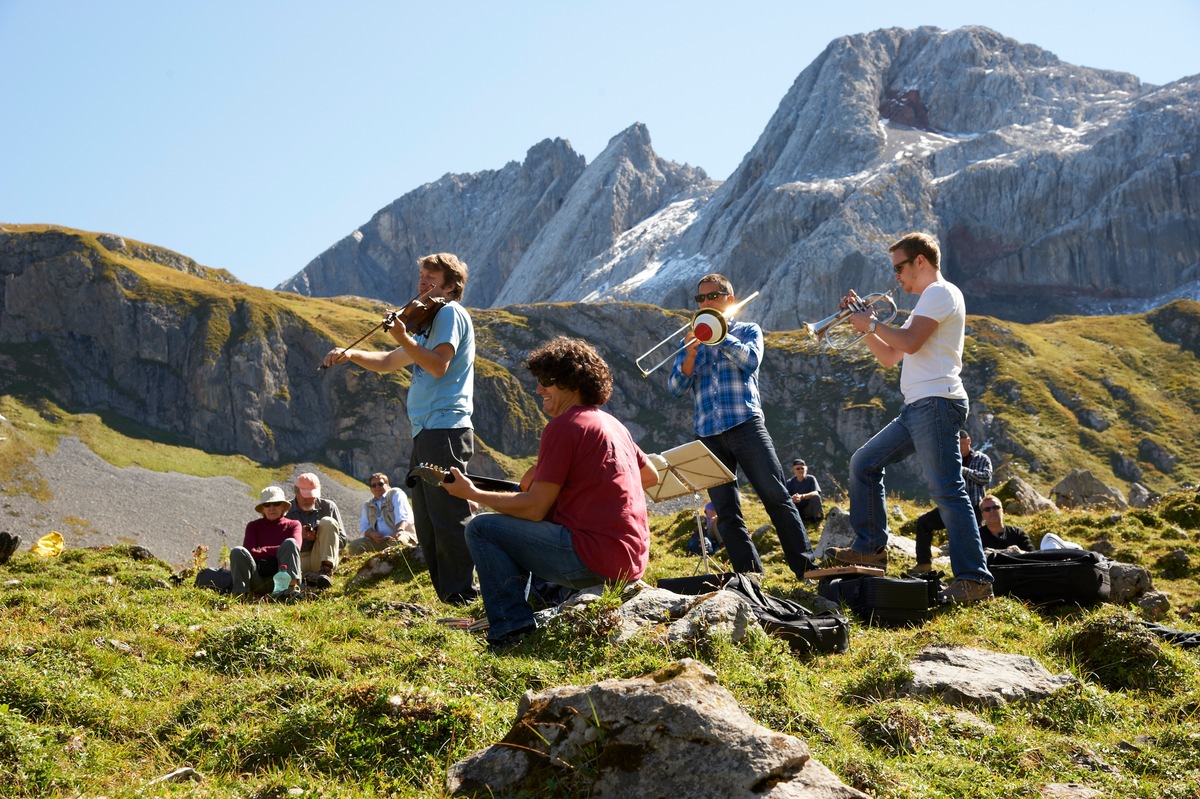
(574, 365)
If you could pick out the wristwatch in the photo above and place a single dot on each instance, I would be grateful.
(871, 327)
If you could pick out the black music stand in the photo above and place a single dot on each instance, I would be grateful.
(689, 469)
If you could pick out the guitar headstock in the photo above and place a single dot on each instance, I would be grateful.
(433, 475)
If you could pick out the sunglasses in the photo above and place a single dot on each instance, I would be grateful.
(546, 382)
(378, 485)
(898, 268)
(988, 508)
(274, 504)
(712, 295)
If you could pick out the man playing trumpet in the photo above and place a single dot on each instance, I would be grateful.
(723, 381)
(440, 401)
(930, 343)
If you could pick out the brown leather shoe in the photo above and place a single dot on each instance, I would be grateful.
(967, 592)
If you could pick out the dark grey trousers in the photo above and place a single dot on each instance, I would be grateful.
(441, 519)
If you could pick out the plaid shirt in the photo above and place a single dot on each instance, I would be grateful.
(724, 380)
(977, 472)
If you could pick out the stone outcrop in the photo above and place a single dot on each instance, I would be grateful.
(1054, 188)
(674, 732)
(979, 678)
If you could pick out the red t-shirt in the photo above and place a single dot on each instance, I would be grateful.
(592, 457)
(264, 537)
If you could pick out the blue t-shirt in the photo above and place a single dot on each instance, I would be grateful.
(446, 402)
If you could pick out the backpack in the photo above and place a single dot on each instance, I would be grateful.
(219, 580)
(886, 601)
(1049, 576)
(804, 631)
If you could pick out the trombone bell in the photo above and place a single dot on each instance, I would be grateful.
(708, 326)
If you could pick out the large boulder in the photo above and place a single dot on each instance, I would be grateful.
(674, 732)
(979, 678)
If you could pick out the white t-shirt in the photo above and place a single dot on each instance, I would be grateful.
(935, 369)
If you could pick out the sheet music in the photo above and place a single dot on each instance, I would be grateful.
(690, 468)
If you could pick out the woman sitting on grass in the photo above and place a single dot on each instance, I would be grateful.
(270, 541)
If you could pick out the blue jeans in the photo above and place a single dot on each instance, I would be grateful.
(506, 549)
(929, 429)
(749, 445)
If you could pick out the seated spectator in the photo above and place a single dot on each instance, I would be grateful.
(994, 533)
(977, 473)
(806, 493)
(323, 531)
(386, 519)
(710, 532)
(269, 542)
(582, 521)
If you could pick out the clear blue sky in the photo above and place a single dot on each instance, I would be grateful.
(252, 135)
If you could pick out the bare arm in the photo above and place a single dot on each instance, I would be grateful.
(532, 505)
(649, 476)
(890, 344)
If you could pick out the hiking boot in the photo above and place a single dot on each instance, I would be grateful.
(9, 544)
(966, 592)
(919, 569)
(319, 581)
(852, 557)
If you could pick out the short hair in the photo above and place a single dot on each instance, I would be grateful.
(720, 280)
(799, 462)
(575, 365)
(914, 244)
(986, 497)
(963, 433)
(378, 476)
(453, 271)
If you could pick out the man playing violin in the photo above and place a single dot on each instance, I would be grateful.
(930, 342)
(723, 381)
(440, 402)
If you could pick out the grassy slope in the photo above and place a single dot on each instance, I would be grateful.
(109, 677)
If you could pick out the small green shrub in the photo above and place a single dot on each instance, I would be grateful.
(254, 644)
(1072, 708)
(1121, 654)
(903, 728)
(25, 765)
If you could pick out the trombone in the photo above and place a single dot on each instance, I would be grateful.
(708, 325)
(824, 330)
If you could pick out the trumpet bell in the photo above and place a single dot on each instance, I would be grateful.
(835, 330)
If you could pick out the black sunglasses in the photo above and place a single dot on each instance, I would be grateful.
(546, 382)
(900, 266)
(986, 508)
(274, 504)
(378, 485)
(712, 295)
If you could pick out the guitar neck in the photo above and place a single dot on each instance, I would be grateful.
(492, 483)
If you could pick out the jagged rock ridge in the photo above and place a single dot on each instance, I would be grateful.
(1077, 186)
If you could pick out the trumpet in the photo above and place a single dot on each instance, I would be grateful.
(827, 330)
(708, 325)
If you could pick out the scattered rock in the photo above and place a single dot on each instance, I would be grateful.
(1021, 499)
(1140, 496)
(979, 678)
(1127, 581)
(674, 732)
(384, 563)
(185, 773)
(1081, 489)
(1154, 605)
(1068, 790)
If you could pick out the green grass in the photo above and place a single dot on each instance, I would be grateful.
(110, 675)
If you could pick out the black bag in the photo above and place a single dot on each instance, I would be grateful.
(887, 601)
(804, 630)
(219, 580)
(1050, 576)
(696, 584)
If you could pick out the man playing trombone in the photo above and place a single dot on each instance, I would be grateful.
(723, 381)
(440, 401)
(935, 408)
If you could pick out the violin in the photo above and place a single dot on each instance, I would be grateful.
(417, 317)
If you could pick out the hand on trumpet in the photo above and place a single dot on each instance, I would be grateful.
(860, 312)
